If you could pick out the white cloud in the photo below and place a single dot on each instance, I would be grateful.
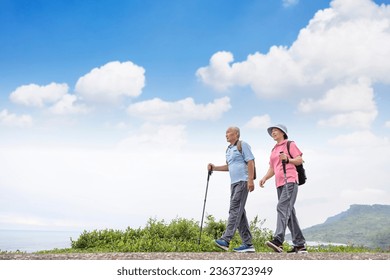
(349, 40)
(67, 105)
(56, 188)
(32, 221)
(343, 98)
(9, 119)
(363, 138)
(353, 105)
(179, 111)
(343, 51)
(360, 120)
(259, 122)
(364, 195)
(38, 96)
(155, 137)
(338, 45)
(387, 124)
(54, 95)
(111, 82)
(219, 74)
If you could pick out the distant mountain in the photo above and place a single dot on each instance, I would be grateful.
(360, 225)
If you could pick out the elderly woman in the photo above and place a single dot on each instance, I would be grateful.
(286, 179)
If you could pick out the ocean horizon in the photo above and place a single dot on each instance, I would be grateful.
(30, 241)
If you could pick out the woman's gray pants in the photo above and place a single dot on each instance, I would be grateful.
(286, 217)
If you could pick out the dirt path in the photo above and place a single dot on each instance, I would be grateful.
(197, 256)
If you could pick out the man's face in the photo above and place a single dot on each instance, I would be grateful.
(231, 135)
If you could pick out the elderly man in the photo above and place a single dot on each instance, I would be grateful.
(240, 164)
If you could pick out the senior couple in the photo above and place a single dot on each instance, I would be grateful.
(241, 167)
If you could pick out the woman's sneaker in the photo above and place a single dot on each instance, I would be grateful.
(275, 245)
(298, 250)
(223, 244)
(244, 248)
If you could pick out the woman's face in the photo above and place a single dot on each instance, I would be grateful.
(277, 134)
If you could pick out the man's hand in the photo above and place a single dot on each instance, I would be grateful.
(250, 185)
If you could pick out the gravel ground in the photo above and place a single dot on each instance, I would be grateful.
(196, 256)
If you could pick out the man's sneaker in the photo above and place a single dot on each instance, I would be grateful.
(244, 248)
(223, 244)
(298, 250)
(275, 245)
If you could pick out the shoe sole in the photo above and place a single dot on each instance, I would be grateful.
(302, 252)
(222, 247)
(299, 252)
(245, 251)
(274, 247)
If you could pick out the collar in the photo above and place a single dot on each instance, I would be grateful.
(281, 143)
(235, 144)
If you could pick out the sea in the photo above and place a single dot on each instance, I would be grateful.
(31, 241)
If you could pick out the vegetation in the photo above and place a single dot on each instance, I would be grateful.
(180, 235)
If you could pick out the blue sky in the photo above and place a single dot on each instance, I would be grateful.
(111, 110)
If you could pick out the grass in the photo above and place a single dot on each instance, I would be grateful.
(180, 235)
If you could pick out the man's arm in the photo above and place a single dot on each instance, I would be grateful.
(251, 174)
(212, 167)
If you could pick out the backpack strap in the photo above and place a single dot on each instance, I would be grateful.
(239, 146)
(288, 148)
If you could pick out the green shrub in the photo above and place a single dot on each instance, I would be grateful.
(180, 235)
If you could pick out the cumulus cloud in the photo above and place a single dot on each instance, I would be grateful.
(352, 120)
(183, 110)
(155, 137)
(363, 138)
(348, 41)
(68, 105)
(387, 124)
(352, 104)
(259, 122)
(111, 82)
(219, 73)
(341, 46)
(9, 119)
(38, 96)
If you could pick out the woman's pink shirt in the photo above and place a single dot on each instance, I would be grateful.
(277, 166)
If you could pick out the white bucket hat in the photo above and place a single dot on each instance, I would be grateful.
(279, 126)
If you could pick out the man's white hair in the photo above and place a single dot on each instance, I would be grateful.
(236, 129)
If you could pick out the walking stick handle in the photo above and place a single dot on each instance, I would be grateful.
(284, 164)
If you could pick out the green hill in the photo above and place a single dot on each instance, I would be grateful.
(360, 225)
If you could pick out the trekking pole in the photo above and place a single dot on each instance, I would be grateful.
(284, 162)
(204, 204)
(284, 170)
